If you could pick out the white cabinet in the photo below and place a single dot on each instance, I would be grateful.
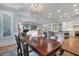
(60, 27)
(51, 27)
(67, 26)
(64, 26)
(56, 27)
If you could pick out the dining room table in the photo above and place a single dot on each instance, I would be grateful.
(43, 46)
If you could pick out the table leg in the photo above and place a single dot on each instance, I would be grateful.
(27, 50)
(61, 51)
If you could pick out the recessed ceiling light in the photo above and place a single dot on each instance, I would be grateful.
(76, 10)
(58, 10)
(50, 13)
(65, 14)
(61, 16)
(48, 16)
(75, 5)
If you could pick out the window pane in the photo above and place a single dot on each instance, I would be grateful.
(6, 25)
(0, 26)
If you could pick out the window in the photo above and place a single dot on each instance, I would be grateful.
(0, 27)
(6, 25)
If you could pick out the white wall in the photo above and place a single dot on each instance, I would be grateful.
(10, 40)
(71, 26)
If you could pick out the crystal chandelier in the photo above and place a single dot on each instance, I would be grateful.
(36, 8)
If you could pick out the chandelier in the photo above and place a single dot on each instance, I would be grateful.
(36, 8)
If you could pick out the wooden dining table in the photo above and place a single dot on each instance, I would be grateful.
(43, 46)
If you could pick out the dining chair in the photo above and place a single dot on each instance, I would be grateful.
(19, 49)
(26, 48)
(60, 38)
(22, 48)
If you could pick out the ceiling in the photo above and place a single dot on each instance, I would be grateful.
(50, 11)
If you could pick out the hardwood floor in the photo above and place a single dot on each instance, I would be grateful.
(7, 47)
(71, 44)
(67, 54)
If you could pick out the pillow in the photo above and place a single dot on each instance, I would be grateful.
(53, 38)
